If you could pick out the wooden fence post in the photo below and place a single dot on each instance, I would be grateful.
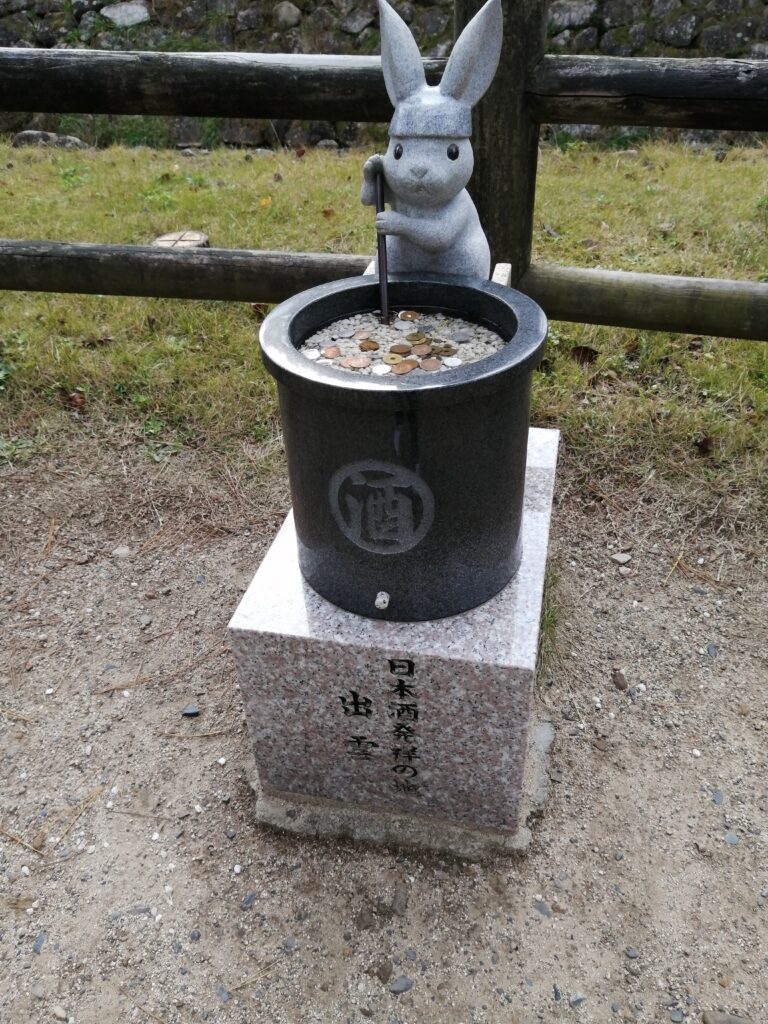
(505, 138)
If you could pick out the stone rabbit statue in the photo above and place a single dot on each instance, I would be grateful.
(432, 226)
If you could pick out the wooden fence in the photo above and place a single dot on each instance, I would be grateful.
(531, 88)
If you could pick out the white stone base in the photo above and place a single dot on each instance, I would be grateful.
(416, 733)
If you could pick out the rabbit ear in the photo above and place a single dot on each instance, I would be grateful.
(400, 57)
(475, 56)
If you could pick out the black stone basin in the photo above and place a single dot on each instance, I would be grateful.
(407, 491)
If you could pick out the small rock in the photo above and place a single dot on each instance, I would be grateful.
(712, 650)
(190, 711)
(618, 679)
(224, 994)
(400, 985)
(731, 838)
(557, 994)
(621, 557)
(286, 15)
(39, 942)
(677, 1016)
(364, 920)
(38, 991)
(248, 901)
(410, 954)
(615, 1007)
(34, 138)
(542, 907)
(384, 971)
(619, 855)
(290, 945)
(576, 1000)
(632, 953)
(127, 13)
(121, 551)
(230, 833)
(194, 936)
(717, 797)
(59, 1012)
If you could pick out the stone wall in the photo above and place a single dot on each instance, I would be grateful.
(616, 27)
(660, 28)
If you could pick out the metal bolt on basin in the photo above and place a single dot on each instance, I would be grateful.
(407, 492)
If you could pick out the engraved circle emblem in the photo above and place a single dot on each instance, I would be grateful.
(381, 507)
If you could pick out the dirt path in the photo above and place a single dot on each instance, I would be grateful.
(147, 892)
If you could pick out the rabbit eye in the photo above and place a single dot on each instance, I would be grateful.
(398, 151)
(453, 151)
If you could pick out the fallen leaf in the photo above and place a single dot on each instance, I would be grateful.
(705, 445)
(329, 212)
(300, 151)
(265, 201)
(584, 354)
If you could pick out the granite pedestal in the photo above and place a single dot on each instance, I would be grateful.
(417, 733)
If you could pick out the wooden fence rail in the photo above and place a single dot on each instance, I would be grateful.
(661, 91)
(734, 309)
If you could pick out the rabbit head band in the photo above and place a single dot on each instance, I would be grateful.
(443, 110)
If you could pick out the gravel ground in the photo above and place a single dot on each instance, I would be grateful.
(136, 885)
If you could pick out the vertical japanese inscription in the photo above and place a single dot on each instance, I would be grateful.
(402, 709)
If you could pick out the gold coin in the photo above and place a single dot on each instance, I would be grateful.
(392, 358)
(402, 348)
(408, 314)
(405, 366)
(421, 350)
(430, 365)
(368, 345)
(416, 338)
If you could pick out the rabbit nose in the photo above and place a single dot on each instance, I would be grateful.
(419, 172)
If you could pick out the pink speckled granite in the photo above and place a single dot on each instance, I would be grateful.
(426, 718)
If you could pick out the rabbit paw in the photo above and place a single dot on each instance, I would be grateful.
(373, 165)
(389, 223)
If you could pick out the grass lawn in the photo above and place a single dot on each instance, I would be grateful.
(632, 405)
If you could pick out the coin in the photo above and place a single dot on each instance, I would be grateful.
(430, 365)
(392, 358)
(402, 348)
(380, 369)
(343, 332)
(312, 353)
(402, 325)
(331, 351)
(453, 361)
(416, 338)
(405, 366)
(355, 362)
(362, 334)
(408, 314)
(421, 350)
(368, 345)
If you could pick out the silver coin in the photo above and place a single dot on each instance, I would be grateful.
(452, 361)
(380, 369)
(312, 353)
